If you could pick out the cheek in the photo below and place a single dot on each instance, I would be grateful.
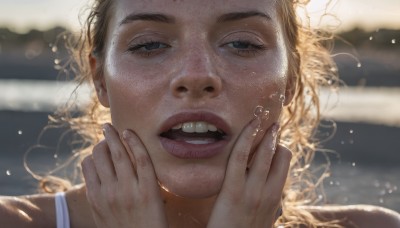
(131, 96)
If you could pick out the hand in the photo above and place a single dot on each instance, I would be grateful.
(251, 196)
(121, 186)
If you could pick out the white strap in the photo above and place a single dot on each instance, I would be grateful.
(61, 210)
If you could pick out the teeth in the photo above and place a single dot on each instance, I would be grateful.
(179, 126)
(189, 127)
(198, 127)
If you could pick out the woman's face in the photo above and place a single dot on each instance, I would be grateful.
(187, 76)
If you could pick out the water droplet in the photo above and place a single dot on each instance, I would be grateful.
(381, 200)
(57, 61)
(282, 98)
(330, 82)
(258, 111)
(342, 142)
(337, 183)
(351, 131)
(359, 65)
(20, 132)
(8, 173)
(320, 197)
(54, 49)
(371, 38)
(266, 115)
(351, 141)
(353, 164)
(50, 45)
(393, 41)
(331, 183)
(272, 96)
(377, 184)
(55, 156)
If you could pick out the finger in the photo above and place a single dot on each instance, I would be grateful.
(236, 170)
(144, 167)
(264, 154)
(90, 173)
(93, 184)
(121, 161)
(103, 163)
(278, 173)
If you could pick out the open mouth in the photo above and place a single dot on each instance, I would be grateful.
(197, 133)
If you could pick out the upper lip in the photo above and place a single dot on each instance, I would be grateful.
(195, 117)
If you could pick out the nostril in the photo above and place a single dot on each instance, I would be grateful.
(209, 89)
(182, 89)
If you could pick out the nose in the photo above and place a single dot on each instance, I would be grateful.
(197, 77)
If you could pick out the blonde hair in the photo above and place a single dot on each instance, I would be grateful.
(310, 64)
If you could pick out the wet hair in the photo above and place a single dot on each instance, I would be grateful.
(310, 67)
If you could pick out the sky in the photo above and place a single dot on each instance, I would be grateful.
(22, 15)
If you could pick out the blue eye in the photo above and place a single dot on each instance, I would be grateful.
(245, 48)
(148, 48)
(240, 45)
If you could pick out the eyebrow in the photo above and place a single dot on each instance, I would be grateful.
(242, 15)
(156, 17)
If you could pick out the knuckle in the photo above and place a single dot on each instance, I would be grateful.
(117, 154)
(110, 196)
(242, 157)
(253, 202)
(142, 161)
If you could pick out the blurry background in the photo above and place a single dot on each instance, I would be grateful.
(364, 165)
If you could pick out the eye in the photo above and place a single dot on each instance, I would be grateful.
(147, 49)
(245, 48)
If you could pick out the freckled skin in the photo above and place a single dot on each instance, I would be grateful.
(142, 91)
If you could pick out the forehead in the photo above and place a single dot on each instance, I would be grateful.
(192, 9)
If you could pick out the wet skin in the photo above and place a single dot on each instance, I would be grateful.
(225, 61)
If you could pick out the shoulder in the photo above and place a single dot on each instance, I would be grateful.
(357, 215)
(27, 211)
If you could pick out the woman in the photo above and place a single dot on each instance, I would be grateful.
(211, 118)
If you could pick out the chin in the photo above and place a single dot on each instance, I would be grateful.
(195, 185)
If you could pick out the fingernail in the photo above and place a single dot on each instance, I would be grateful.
(104, 127)
(125, 134)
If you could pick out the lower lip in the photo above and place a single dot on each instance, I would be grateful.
(186, 150)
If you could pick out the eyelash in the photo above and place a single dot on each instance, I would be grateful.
(136, 48)
(251, 48)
